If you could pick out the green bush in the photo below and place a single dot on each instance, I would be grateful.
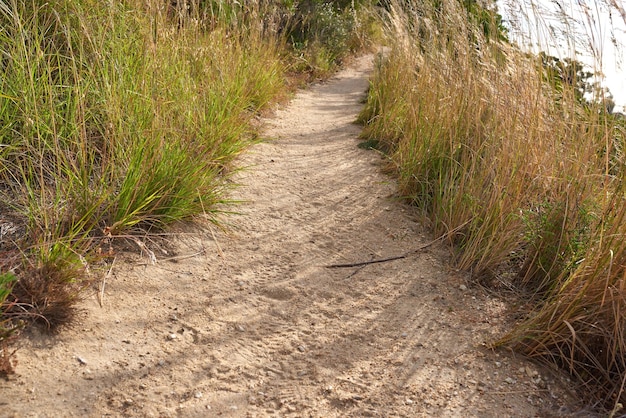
(324, 32)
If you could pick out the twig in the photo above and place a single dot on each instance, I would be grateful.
(143, 247)
(217, 244)
(365, 263)
(355, 272)
(384, 260)
(399, 257)
(104, 282)
(179, 257)
(183, 257)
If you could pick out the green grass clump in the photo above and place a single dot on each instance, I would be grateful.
(116, 118)
(520, 172)
(121, 118)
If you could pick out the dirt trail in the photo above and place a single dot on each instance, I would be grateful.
(255, 325)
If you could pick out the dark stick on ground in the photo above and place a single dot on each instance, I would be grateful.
(384, 260)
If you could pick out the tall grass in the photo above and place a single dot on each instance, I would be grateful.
(120, 118)
(116, 117)
(523, 176)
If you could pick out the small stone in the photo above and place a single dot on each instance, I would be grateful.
(498, 364)
(172, 337)
(197, 395)
(301, 348)
(530, 372)
(510, 381)
(81, 360)
(408, 401)
(240, 328)
(463, 288)
(404, 335)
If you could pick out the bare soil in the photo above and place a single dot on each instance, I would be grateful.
(250, 322)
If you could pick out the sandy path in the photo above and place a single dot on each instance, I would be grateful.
(256, 326)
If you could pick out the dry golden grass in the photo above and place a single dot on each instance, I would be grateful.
(524, 177)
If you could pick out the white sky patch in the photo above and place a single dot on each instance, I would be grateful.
(585, 30)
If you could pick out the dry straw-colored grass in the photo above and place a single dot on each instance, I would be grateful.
(526, 176)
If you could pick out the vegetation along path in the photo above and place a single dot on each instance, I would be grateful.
(252, 322)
